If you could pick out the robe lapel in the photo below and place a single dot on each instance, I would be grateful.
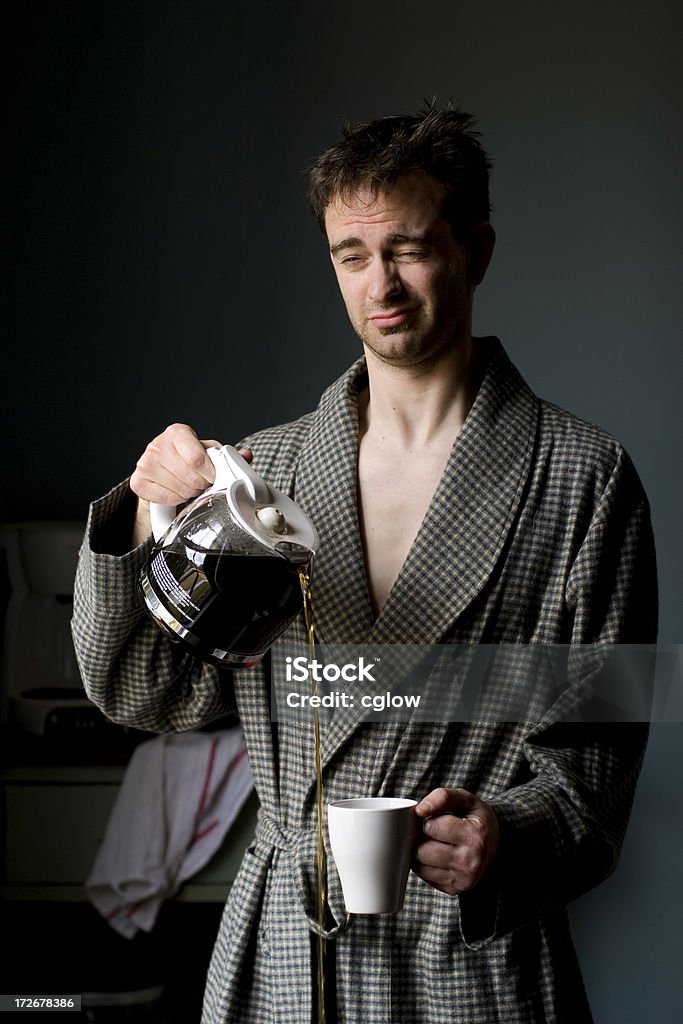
(461, 538)
(326, 487)
(471, 514)
(252, 694)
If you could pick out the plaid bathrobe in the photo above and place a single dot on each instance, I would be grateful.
(538, 533)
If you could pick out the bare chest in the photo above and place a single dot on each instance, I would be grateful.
(394, 495)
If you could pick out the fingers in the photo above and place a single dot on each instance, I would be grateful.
(446, 828)
(173, 467)
(439, 865)
(454, 843)
(453, 867)
(443, 801)
(461, 839)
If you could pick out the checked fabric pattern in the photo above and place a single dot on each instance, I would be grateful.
(539, 532)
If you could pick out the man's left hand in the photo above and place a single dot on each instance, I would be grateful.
(460, 840)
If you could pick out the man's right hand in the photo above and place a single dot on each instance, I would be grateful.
(173, 468)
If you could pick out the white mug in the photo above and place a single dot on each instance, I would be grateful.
(372, 841)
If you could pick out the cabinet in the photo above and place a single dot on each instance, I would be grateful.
(53, 819)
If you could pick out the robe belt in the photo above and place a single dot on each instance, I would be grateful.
(301, 847)
(269, 831)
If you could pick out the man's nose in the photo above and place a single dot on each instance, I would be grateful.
(385, 281)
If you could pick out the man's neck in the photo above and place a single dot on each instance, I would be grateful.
(413, 408)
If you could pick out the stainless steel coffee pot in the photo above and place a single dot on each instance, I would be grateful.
(224, 578)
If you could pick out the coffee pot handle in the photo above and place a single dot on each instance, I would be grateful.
(230, 467)
(161, 517)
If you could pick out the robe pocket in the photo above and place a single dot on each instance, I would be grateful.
(244, 907)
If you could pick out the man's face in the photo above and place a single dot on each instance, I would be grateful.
(402, 275)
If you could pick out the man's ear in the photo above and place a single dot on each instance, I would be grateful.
(480, 251)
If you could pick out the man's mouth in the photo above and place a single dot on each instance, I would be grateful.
(393, 318)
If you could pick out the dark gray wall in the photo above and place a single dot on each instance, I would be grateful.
(164, 267)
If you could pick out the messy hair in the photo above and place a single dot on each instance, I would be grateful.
(443, 143)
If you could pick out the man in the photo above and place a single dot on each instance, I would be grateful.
(453, 507)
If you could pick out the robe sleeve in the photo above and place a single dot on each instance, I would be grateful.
(561, 832)
(130, 670)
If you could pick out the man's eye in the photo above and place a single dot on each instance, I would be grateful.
(349, 260)
(411, 254)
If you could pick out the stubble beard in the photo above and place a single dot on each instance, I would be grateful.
(424, 349)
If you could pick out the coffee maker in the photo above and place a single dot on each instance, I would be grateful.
(40, 686)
